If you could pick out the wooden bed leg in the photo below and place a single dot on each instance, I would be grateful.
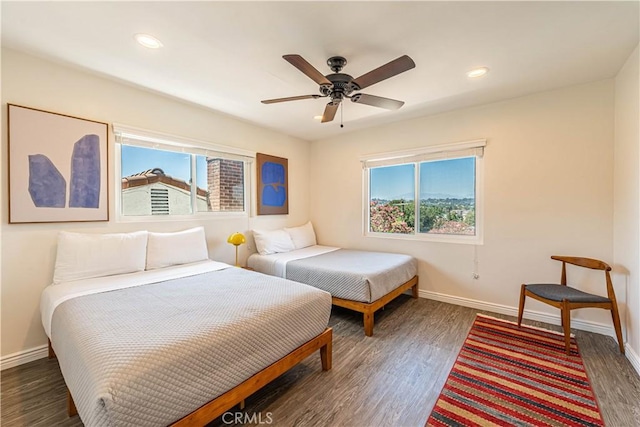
(368, 309)
(368, 323)
(326, 355)
(241, 405)
(52, 354)
(71, 407)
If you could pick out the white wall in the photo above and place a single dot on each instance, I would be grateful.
(626, 249)
(548, 190)
(28, 251)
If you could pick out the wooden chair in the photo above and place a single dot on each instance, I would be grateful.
(566, 298)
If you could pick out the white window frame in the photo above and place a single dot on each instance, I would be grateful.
(473, 148)
(129, 135)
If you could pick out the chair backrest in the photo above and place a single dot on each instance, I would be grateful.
(583, 262)
(586, 263)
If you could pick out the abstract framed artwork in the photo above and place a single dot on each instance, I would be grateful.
(58, 170)
(273, 185)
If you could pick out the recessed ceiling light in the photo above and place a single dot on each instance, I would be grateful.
(148, 41)
(477, 72)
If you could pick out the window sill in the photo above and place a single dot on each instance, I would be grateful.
(194, 217)
(423, 237)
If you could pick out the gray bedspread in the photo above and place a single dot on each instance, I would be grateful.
(354, 275)
(150, 354)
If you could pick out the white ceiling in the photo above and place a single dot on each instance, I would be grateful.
(227, 56)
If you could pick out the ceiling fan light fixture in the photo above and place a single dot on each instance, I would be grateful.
(477, 72)
(148, 41)
(339, 86)
(317, 117)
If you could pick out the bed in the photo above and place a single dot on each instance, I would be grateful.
(357, 280)
(179, 344)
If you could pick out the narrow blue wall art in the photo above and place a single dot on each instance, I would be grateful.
(85, 173)
(272, 185)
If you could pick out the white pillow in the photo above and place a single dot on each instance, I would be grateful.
(182, 247)
(82, 256)
(302, 236)
(272, 242)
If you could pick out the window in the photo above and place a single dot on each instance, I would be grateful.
(392, 199)
(166, 176)
(224, 183)
(431, 194)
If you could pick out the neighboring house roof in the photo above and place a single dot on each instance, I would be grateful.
(152, 176)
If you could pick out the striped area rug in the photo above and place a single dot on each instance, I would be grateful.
(506, 376)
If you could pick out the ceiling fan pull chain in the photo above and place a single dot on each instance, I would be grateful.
(341, 110)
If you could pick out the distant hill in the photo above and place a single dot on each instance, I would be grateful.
(445, 196)
(427, 196)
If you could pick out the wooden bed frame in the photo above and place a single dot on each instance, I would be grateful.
(236, 396)
(368, 309)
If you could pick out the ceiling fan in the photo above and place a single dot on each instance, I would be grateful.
(338, 86)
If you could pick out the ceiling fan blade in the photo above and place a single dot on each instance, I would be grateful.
(301, 64)
(291, 98)
(390, 69)
(377, 101)
(329, 112)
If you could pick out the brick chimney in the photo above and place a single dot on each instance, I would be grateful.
(225, 183)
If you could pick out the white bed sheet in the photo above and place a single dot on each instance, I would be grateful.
(54, 295)
(276, 264)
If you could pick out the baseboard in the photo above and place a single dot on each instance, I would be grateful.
(633, 357)
(583, 325)
(22, 357)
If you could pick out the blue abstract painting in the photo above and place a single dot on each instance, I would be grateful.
(273, 192)
(273, 185)
(47, 186)
(56, 161)
(84, 191)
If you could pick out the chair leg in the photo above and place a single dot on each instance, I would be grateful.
(566, 324)
(521, 307)
(616, 324)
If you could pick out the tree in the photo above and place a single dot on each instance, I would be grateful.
(408, 210)
(432, 215)
(388, 218)
(470, 218)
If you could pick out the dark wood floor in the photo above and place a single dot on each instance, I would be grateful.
(391, 379)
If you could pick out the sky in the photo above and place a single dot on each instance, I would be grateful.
(177, 165)
(453, 178)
